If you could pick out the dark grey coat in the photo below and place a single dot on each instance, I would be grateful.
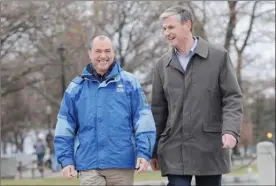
(192, 110)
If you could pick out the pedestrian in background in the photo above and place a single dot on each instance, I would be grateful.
(40, 150)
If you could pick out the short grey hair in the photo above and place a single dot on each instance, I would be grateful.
(182, 14)
(101, 37)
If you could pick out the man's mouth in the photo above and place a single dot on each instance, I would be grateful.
(171, 38)
(103, 61)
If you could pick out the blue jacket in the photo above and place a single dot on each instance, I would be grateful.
(104, 125)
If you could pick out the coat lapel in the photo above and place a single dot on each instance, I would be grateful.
(175, 63)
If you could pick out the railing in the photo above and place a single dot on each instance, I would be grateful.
(33, 166)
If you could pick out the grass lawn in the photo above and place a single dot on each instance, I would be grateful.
(61, 181)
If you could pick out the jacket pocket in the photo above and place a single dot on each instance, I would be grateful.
(76, 146)
(215, 127)
(149, 144)
(164, 136)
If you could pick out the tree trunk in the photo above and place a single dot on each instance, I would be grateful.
(5, 146)
(231, 24)
(239, 69)
(245, 150)
(19, 141)
(198, 30)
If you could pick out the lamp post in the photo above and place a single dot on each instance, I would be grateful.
(61, 51)
(49, 137)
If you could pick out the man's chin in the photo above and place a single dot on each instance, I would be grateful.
(172, 43)
(105, 68)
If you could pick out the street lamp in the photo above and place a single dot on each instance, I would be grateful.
(61, 51)
(49, 137)
(269, 135)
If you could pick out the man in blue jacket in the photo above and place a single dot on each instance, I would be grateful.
(105, 128)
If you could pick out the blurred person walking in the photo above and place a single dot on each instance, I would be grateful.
(40, 150)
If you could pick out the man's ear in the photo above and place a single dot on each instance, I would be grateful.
(184, 25)
(89, 52)
(114, 55)
(188, 23)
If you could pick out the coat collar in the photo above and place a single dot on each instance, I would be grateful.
(201, 50)
(89, 72)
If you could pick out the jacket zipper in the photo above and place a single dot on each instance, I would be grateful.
(78, 145)
(96, 128)
(97, 135)
(96, 121)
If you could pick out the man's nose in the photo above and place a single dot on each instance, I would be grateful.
(103, 55)
(166, 33)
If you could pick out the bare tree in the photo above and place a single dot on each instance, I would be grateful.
(32, 32)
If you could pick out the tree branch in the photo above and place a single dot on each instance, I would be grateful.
(231, 24)
(249, 31)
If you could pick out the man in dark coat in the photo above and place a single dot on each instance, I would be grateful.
(197, 106)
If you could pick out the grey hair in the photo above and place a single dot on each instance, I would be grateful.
(182, 14)
(101, 37)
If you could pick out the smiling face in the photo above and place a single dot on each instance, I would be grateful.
(101, 54)
(175, 32)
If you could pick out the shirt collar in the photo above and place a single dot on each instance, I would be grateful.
(100, 77)
(191, 50)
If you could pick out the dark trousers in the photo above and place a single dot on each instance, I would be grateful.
(40, 159)
(176, 180)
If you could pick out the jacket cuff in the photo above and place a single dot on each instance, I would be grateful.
(237, 136)
(67, 162)
(142, 155)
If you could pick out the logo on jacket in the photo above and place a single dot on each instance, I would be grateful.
(120, 88)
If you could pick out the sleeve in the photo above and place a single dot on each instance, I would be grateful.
(143, 122)
(232, 99)
(159, 107)
(65, 130)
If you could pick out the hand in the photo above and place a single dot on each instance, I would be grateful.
(228, 141)
(69, 171)
(141, 165)
(154, 164)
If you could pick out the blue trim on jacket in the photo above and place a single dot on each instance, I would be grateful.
(103, 125)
